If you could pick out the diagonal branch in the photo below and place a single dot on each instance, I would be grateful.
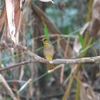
(16, 65)
(43, 60)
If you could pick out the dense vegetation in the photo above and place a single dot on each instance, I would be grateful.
(72, 27)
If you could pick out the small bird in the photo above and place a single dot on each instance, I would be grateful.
(48, 52)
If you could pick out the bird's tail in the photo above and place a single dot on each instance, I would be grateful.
(50, 66)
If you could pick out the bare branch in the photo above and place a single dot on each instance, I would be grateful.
(43, 60)
(16, 65)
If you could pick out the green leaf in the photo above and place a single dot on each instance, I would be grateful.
(81, 40)
(45, 29)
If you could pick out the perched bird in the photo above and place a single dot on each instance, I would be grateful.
(48, 52)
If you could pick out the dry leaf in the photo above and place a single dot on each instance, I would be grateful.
(87, 92)
(12, 18)
(95, 23)
(17, 19)
(2, 17)
(77, 46)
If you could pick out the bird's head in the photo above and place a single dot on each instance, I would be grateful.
(45, 41)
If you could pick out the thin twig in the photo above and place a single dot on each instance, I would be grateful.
(15, 65)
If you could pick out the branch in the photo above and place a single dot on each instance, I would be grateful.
(15, 65)
(43, 60)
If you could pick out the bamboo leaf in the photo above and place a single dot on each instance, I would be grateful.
(45, 29)
(81, 40)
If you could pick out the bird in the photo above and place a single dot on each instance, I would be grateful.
(48, 52)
